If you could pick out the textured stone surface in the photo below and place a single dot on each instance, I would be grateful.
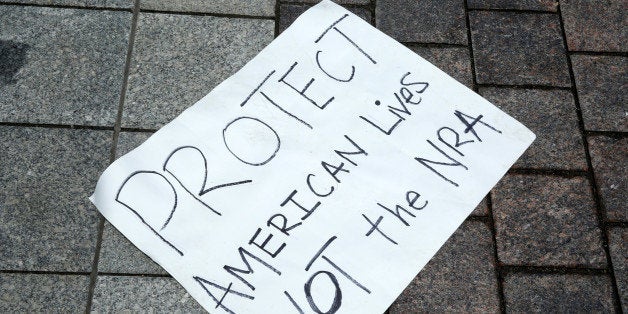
(518, 48)
(602, 83)
(537, 5)
(79, 3)
(427, 21)
(119, 255)
(546, 221)
(542, 293)
(551, 115)
(61, 66)
(127, 141)
(618, 246)
(194, 56)
(595, 25)
(453, 61)
(609, 157)
(139, 294)
(249, 7)
(46, 221)
(460, 278)
(290, 12)
(38, 293)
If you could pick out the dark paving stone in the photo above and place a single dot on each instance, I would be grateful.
(595, 25)
(551, 115)
(118, 254)
(191, 58)
(460, 278)
(239, 7)
(139, 294)
(602, 83)
(618, 246)
(609, 156)
(290, 12)
(61, 66)
(427, 21)
(537, 5)
(546, 221)
(38, 293)
(454, 61)
(518, 48)
(78, 3)
(46, 221)
(481, 209)
(543, 293)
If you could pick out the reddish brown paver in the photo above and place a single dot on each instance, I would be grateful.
(551, 115)
(609, 157)
(460, 278)
(595, 25)
(618, 247)
(546, 221)
(455, 61)
(537, 5)
(602, 82)
(289, 12)
(558, 293)
(426, 21)
(518, 48)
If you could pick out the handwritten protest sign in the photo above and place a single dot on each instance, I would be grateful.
(320, 178)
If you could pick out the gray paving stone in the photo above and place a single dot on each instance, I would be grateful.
(39, 293)
(46, 221)
(140, 294)
(427, 21)
(79, 3)
(454, 61)
(289, 12)
(609, 157)
(127, 141)
(237, 7)
(595, 25)
(602, 82)
(545, 221)
(119, 255)
(172, 70)
(61, 66)
(518, 48)
(537, 5)
(543, 293)
(551, 115)
(618, 246)
(460, 278)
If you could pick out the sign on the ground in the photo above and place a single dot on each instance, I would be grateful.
(320, 178)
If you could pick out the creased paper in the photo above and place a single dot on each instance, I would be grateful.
(321, 177)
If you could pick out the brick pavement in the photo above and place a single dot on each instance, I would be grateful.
(83, 81)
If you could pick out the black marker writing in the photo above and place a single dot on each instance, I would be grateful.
(174, 206)
(262, 161)
(206, 285)
(304, 89)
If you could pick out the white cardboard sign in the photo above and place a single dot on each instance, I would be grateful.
(320, 178)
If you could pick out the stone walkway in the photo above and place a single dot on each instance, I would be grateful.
(84, 81)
